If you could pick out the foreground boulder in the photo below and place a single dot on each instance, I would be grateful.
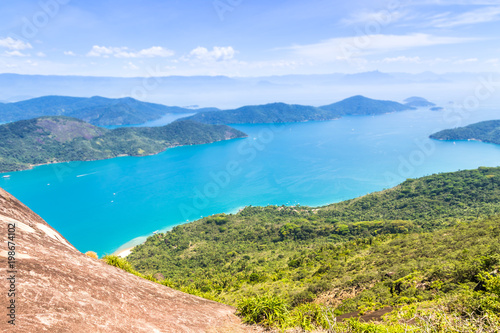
(59, 289)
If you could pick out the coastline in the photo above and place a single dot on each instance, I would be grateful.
(124, 250)
(32, 166)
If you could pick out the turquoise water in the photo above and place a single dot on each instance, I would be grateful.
(102, 205)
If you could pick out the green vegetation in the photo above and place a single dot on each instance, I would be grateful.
(269, 113)
(363, 106)
(56, 139)
(95, 110)
(486, 131)
(423, 248)
(285, 113)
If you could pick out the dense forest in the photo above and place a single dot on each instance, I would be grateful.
(96, 110)
(422, 251)
(486, 131)
(56, 139)
(285, 113)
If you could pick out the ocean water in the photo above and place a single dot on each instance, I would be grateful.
(110, 204)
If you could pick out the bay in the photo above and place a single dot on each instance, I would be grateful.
(106, 205)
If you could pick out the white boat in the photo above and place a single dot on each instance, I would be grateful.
(155, 232)
(6, 176)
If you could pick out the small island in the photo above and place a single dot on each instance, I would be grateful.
(418, 102)
(485, 131)
(26, 143)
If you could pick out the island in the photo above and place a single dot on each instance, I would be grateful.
(485, 131)
(418, 102)
(288, 113)
(26, 143)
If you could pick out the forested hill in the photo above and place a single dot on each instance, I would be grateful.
(95, 110)
(56, 139)
(424, 240)
(363, 106)
(284, 113)
(268, 113)
(486, 131)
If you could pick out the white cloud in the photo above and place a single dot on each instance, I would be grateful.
(465, 61)
(456, 2)
(14, 44)
(481, 15)
(348, 47)
(124, 52)
(155, 51)
(69, 53)
(383, 17)
(217, 53)
(15, 53)
(41, 54)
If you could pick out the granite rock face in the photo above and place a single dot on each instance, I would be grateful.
(59, 289)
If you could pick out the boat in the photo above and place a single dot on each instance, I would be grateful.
(155, 232)
(6, 176)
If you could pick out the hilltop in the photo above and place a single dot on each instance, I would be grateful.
(59, 289)
(60, 139)
(95, 110)
(486, 131)
(283, 113)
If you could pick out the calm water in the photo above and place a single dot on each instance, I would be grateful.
(102, 205)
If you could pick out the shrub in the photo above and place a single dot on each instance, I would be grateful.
(269, 311)
(91, 254)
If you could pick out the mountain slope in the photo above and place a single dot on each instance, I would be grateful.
(486, 131)
(95, 110)
(59, 289)
(56, 139)
(268, 113)
(331, 254)
(283, 113)
(418, 102)
(360, 106)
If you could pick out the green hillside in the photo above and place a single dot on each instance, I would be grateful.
(56, 139)
(486, 131)
(286, 113)
(95, 110)
(363, 106)
(418, 248)
(269, 113)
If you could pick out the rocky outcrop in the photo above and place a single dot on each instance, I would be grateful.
(59, 289)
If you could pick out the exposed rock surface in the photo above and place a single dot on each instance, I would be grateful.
(59, 289)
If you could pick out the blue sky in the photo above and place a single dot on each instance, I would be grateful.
(247, 38)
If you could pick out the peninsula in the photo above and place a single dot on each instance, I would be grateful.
(26, 143)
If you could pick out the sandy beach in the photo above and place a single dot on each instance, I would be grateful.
(125, 252)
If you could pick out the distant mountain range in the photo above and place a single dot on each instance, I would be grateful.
(486, 131)
(95, 110)
(232, 92)
(101, 111)
(58, 139)
(284, 113)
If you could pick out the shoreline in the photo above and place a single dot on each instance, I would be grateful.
(33, 166)
(124, 250)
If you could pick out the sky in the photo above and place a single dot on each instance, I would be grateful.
(241, 38)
